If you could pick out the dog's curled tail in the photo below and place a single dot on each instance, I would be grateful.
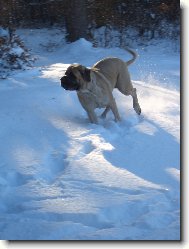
(134, 56)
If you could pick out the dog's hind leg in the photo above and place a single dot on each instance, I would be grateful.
(125, 86)
(128, 89)
(136, 105)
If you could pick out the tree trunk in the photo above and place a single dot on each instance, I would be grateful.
(76, 19)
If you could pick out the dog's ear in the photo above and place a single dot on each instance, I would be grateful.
(85, 73)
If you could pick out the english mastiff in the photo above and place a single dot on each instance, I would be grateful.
(94, 85)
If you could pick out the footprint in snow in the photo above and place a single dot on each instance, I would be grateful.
(88, 147)
(53, 166)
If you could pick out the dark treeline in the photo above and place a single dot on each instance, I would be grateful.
(81, 16)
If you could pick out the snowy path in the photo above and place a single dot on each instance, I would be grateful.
(64, 178)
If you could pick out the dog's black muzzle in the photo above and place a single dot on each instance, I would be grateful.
(69, 84)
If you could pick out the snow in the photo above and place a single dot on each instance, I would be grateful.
(17, 51)
(4, 32)
(63, 178)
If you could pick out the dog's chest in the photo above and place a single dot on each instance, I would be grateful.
(96, 97)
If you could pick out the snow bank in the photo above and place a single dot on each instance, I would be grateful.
(108, 36)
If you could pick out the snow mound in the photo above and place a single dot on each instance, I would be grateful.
(83, 43)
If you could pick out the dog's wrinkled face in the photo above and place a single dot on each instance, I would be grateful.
(75, 77)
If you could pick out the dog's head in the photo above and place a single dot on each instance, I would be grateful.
(75, 78)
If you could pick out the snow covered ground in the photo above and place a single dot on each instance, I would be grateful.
(62, 178)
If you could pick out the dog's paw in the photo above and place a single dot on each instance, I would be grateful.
(137, 109)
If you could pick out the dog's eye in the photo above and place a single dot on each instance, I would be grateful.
(71, 75)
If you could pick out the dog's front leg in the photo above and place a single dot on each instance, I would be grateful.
(103, 115)
(114, 109)
(92, 116)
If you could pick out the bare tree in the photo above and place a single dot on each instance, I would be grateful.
(76, 19)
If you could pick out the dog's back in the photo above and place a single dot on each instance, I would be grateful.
(110, 68)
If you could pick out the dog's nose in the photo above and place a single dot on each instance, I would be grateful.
(62, 80)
